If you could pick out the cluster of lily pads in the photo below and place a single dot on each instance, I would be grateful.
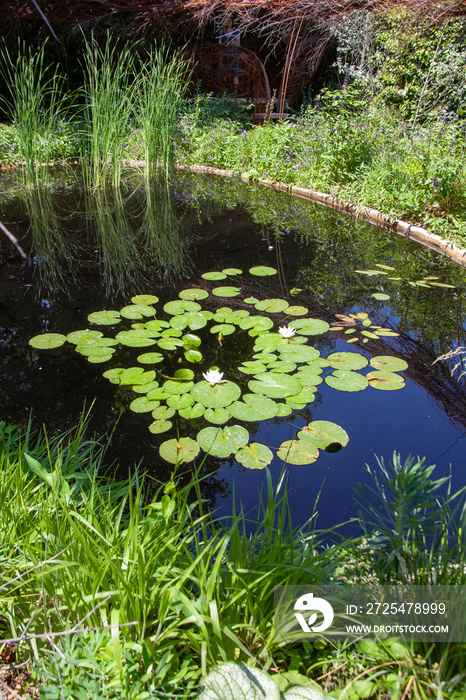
(282, 374)
(361, 326)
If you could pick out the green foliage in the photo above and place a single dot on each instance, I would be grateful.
(409, 524)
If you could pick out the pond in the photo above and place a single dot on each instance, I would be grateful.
(369, 292)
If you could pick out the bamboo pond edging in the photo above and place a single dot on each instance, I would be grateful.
(415, 233)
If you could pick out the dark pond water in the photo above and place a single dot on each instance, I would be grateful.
(88, 252)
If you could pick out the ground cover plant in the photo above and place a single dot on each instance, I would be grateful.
(127, 589)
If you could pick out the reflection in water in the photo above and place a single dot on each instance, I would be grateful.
(53, 251)
(130, 255)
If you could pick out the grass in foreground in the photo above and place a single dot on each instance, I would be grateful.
(111, 593)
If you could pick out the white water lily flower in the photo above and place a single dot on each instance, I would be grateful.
(286, 332)
(213, 376)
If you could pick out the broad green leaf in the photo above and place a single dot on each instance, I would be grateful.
(380, 296)
(137, 311)
(254, 456)
(262, 271)
(226, 292)
(262, 323)
(163, 412)
(195, 411)
(297, 311)
(169, 343)
(305, 396)
(113, 375)
(135, 338)
(160, 426)
(253, 407)
(346, 380)
(223, 328)
(217, 396)
(237, 681)
(217, 415)
(136, 375)
(389, 363)
(298, 452)
(193, 355)
(386, 381)
(251, 367)
(214, 276)
(178, 451)
(346, 360)
(179, 402)
(150, 358)
(143, 405)
(144, 299)
(223, 442)
(191, 339)
(173, 386)
(144, 388)
(251, 300)
(284, 366)
(193, 294)
(298, 353)
(181, 306)
(232, 271)
(283, 409)
(275, 385)
(323, 433)
(272, 306)
(47, 341)
(104, 318)
(82, 337)
(309, 326)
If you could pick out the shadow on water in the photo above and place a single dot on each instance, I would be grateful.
(94, 250)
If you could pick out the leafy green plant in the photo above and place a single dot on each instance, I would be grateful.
(414, 530)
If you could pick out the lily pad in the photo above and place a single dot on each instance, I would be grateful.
(100, 357)
(179, 402)
(150, 358)
(216, 415)
(283, 409)
(214, 276)
(81, 337)
(104, 318)
(262, 271)
(160, 426)
(163, 412)
(380, 296)
(191, 340)
(226, 291)
(178, 451)
(217, 396)
(253, 407)
(194, 320)
(323, 433)
(136, 375)
(251, 367)
(272, 306)
(275, 385)
(232, 271)
(144, 299)
(260, 323)
(223, 328)
(47, 341)
(297, 311)
(223, 442)
(137, 311)
(195, 411)
(298, 353)
(181, 306)
(386, 381)
(169, 343)
(193, 294)
(254, 456)
(389, 363)
(144, 388)
(285, 366)
(309, 326)
(193, 355)
(251, 300)
(173, 386)
(113, 375)
(346, 360)
(143, 405)
(135, 338)
(303, 397)
(346, 380)
(298, 452)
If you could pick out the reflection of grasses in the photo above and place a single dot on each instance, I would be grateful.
(457, 365)
(53, 252)
(164, 241)
(36, 107)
